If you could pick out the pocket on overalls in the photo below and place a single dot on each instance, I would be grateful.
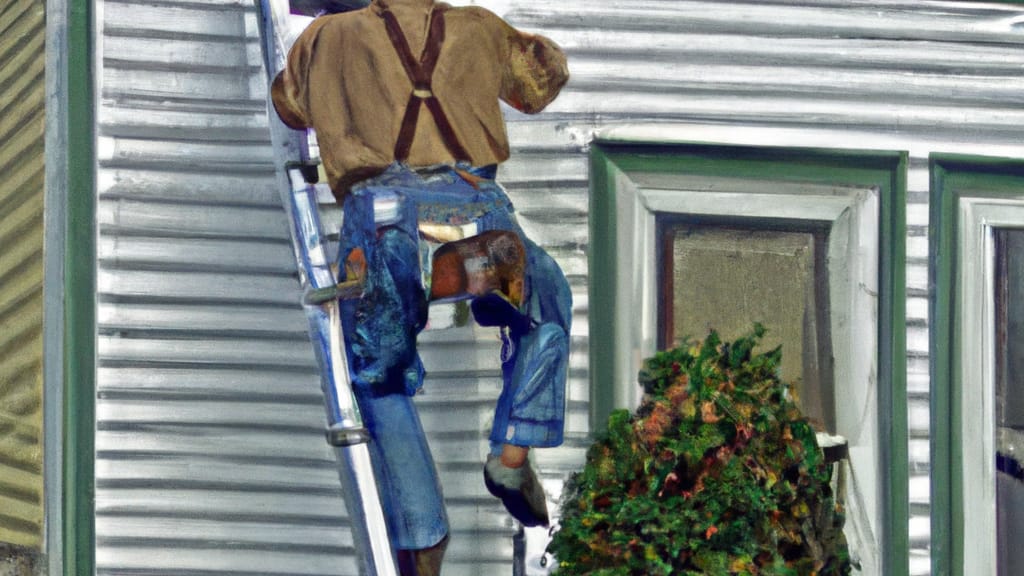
(540, 374)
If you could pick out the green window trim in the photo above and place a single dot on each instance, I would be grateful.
(611, 164)
(953, 178)
(79, 361)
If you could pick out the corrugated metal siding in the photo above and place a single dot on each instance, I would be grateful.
(22, 65)
(918, 76)
(210, 458)
(210, 452)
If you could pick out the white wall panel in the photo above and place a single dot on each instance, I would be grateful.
(196, 352)
(917, 76)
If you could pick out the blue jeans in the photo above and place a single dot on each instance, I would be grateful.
(381, 328)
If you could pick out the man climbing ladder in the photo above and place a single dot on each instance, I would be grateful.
(355, 79)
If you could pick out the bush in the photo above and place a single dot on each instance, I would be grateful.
(716, 473)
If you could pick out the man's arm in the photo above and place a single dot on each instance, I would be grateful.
(290, 89)
(535, 70)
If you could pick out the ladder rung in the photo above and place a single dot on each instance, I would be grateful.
(342, 291)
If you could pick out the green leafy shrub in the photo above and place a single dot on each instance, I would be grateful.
(716, 473)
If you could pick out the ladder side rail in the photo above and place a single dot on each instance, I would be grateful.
(345, 431)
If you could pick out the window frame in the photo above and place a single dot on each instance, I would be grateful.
(971, 198)
(616, 209)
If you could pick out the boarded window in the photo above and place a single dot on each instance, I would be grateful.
(726, 277)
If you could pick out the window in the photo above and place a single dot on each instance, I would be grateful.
(977, 271)
(813, 241)
(725, 275)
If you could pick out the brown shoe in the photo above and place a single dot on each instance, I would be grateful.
(519, 490)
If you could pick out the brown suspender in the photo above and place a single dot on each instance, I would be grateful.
(420, 74)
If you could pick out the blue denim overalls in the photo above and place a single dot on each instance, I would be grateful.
(381, 328)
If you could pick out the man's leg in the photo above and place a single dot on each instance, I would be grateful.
(531, 409)
(530, 413)
(409, 486)
(381, 327)
(380, 331)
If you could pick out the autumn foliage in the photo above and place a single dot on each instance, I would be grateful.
(716, 473)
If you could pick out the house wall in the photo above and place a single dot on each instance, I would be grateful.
(916, 76)
(22, 65)
(209, 452)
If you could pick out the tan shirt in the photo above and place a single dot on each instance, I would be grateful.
(344, 79)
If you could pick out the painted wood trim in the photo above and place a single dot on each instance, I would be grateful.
(80, 297)
(941, 271)
(892, 342)
(602, 294)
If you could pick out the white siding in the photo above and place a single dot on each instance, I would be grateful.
(895, 75)
(210, 452)
(210, 459)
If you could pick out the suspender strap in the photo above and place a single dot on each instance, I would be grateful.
(420, 74)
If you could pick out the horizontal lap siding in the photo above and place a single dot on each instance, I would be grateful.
(210, 456)
(210, 450)
(22, 118)
(895, 75)
(209, 440)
